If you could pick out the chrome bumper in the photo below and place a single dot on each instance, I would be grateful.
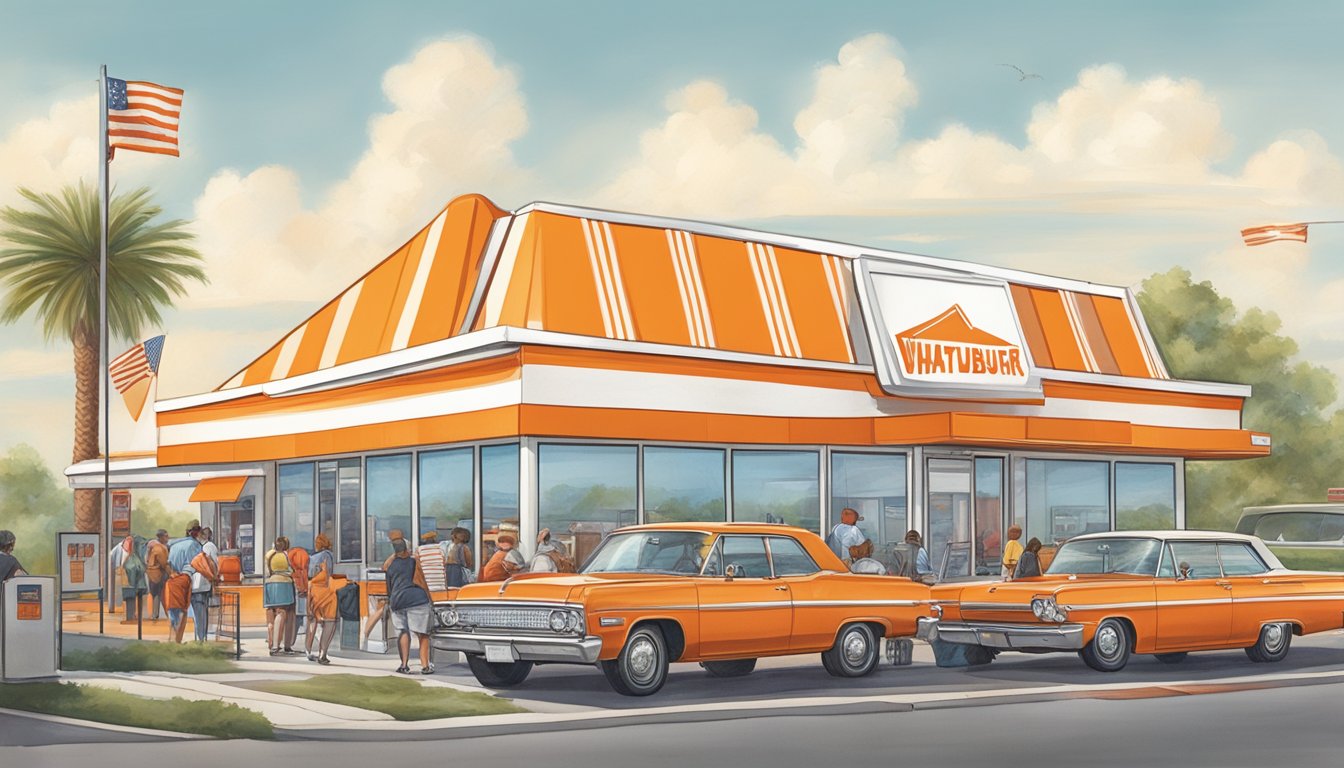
(1060, 637)
(573, 650)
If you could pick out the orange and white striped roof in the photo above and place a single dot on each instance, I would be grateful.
(630, 278)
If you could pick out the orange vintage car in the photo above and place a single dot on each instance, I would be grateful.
(1110, 595)
(720, 594)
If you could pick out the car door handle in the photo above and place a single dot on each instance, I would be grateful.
(1224, 584)
(782, 588)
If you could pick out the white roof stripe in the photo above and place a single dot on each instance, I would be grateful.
(617, 283)
(693, 329)
(340, 324)
(698, 284)
(598, 281)
(416, 296)
(767, 304)
(783, 295)
(285, 360)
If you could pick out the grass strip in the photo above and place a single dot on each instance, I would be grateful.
(105, 705)
(185, 658)
(402, 698)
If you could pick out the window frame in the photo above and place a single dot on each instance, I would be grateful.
(770, 553)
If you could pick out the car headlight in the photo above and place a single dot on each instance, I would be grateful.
(558, 620)
(573, 621)
(1045, 609)
(447, 616)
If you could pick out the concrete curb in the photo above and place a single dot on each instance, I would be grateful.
(177, 735)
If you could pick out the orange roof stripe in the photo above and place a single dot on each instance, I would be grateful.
(1057, 328)
(734, 300)
(1118, 328)
(1095, 336)
(1031, 326)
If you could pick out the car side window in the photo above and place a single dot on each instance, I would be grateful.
(748, 553)
(1196, 559)
(790, 558)
(1240, 560)
(1167, 570)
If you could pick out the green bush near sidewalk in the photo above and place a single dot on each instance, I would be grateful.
(186, 658)
(104, 705)
(402, 698)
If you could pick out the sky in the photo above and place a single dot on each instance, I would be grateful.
(317, 137)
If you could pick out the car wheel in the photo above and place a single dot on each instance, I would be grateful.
(641, 669)
(498, 674)
(855, 652)
(1171, 658)
(1110, 647)
(1273, 643)
(735, 668)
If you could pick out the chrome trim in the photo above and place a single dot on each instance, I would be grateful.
(1114, 606)
(832, 603)
(556, 649)
(1291, 598)
(996, 607)
(1060, 637)
(511, 603)
(783, 603)
(625, 609)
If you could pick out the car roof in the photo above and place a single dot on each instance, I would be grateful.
(1167, 535)
(758, 528)
(1333, 509)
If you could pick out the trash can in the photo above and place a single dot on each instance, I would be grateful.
(28, 606)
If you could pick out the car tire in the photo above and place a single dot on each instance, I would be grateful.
(1273, 644)
(856, 652)
(1110, 647)
(1171, 658)
(498, 674)
(641, 668)
(734, 668)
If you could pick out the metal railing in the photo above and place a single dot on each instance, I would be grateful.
(229, 617)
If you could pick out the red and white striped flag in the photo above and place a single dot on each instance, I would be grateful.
(142, 116)
(132, 372)
(1275, 232)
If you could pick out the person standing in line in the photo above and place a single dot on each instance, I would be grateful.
(459, 567)
(408, 600)
(430, 557)
(203, 581)
(278, 596)
(846, 534)
(298, 564)
(1012, 551)
(178, 589)
(135, 586)
(1029, 564)
(9, 564)
(550, 556)
(923, 569)
(505, 562)
(156, 572)
(321, 599)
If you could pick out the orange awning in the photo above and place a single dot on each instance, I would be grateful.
(219, 489)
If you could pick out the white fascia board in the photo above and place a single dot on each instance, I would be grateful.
(844, 250)
(1181, 386)
(145, 473)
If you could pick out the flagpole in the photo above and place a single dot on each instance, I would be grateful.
(102, 325)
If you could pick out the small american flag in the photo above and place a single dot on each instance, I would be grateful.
(142, 116)
(132, 370)
(1275, 232)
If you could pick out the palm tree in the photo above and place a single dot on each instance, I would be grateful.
(51, 268)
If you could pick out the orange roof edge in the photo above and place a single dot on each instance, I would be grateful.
(226, 489)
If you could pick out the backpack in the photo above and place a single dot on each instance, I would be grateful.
(347, 602)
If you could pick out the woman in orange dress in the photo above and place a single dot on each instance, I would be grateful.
(321, 598)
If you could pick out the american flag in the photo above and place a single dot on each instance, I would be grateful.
(138, 362)
(1274, 232)
(142, 116)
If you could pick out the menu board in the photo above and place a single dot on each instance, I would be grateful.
(80, 555)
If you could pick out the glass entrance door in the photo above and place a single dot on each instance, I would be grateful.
(948, 501)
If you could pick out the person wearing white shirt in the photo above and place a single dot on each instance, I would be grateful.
(846, 534)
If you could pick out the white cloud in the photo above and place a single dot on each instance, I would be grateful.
(455, 113)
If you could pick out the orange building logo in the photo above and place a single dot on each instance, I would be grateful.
(949, 346)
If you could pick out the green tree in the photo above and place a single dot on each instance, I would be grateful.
(34, 504)
(148, 515)
(1202, 336)
(51, 268)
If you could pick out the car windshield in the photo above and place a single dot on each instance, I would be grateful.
(672, 552)
(1136, 556)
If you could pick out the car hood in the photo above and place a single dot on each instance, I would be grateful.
(554, 587)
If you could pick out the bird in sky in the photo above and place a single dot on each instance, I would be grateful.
(1022, 75)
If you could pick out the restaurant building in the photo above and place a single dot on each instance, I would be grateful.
(581, 370)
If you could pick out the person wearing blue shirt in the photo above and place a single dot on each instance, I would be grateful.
(923, 570)
(180, 554)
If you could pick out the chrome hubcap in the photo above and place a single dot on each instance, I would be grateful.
(1108, 641)
(1274, 635)
(641, 659)
(856, 647)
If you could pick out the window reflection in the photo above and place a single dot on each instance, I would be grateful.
(684, 485)
(1145, 496)
(874, 485)
(584, 492)
(338, 506)
(445, 490)
(1066, 498)
(296, 489)
(777, 487)
(499, 496)
(389, 504)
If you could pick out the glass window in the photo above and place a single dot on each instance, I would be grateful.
(388, 504)
(680, 552)
(1240, 560)
(988, 516)
(296, 491)
(777, 487)
(684, 485)
(1138, 556)
(1167, 570)
(1291, 526)
(1067, 498)
(789, 557)
(338, 495)
(446, 494)
(1145, 496)
(949, 516)
(748, 554)
(499, 496)
(874, 485)
(1196, 559)
(584, 492)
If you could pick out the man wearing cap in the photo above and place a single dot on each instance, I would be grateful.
(846, 534)
(156, 571)
(505, 562)
(9, 564)
(180, 555)
(408, 600)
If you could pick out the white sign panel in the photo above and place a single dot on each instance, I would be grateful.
(80, 558)
(945, 335)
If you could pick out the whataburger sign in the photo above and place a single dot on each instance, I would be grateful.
(940, 333)
(949, 346)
